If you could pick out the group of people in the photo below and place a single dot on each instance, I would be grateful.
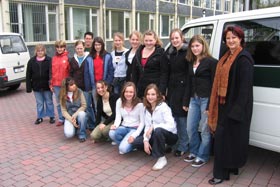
(151, 99)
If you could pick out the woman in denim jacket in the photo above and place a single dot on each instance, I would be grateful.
(73, 106)
(98, 67)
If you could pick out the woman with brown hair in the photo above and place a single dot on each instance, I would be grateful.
(129, 121)
(231, 105)
(106, 111)
(160, 127)
(73, 106)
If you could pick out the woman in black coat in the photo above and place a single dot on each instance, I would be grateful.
(37, 80)
(147, 65)
(231, 106)
(106, 111)
(178, 68)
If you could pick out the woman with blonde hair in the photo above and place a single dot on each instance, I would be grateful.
(178, 68)
(148, 66)
(135, 40)
(118, 56)
(73, 106)
(37, 79)
(60, 68)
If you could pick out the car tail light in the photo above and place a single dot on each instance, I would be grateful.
(3, 72)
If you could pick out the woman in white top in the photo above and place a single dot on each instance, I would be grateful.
(129, 119)
(120, 67)
(160, 126)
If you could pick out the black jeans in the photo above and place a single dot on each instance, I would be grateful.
(159, 138)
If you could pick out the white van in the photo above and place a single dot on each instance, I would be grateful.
(14, 56)
(262, 37)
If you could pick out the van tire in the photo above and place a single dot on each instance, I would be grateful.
(14, 87)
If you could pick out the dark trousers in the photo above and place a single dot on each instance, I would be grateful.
(159, 138)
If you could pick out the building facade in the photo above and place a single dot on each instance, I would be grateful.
(45, 21)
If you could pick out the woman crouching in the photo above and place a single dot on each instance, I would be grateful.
(160, 126)
(73, 106)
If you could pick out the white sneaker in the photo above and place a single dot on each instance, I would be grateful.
(161, 162)
(121, 153)
(114, 143)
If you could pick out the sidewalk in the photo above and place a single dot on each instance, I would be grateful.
(40, 155)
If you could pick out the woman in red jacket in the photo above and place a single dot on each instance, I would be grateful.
(59, 70)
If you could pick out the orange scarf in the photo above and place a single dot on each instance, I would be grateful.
(219, 87)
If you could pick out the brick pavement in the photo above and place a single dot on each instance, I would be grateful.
(39, 155)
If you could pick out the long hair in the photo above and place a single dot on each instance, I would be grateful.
(103, 84)
(137, 34)
(119, 35)
(135, 99)
(205, 51)
(159, 97)
(65, 88)
(152, 33)
(93, 51)
(179, 32)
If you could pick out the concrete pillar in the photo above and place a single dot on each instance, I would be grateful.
(133, 15)
(157, 18)
(61, 20)
(5, 16)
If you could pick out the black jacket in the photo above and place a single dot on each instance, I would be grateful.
(38, 74)
(77, 72)
(108, 119)
(200, 82)
(129, 66)
(155, 70)
(178, 68)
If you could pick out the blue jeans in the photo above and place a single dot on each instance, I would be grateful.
(89, 110)
(118, 83)
(70, 130)
(120, 136)
(56, 93)
(183, 140)
(197, 121)
(44, 104)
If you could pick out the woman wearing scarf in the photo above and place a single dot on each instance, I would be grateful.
(231, 105)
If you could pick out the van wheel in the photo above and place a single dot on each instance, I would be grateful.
(14, 87)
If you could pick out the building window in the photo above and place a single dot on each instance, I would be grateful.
(208, 4)
(184, 2)
(117, 22)
(181, 21)
(75, 26)
(35, 22)
(227, 6)
(94, 22)
(52, 23)
(196, 3)
(30, 20)
(144, 22)
(218, 4)
(166, 24)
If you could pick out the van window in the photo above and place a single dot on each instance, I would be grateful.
(262, 37)
(12, 44)
(205, 30)
(262, 41)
